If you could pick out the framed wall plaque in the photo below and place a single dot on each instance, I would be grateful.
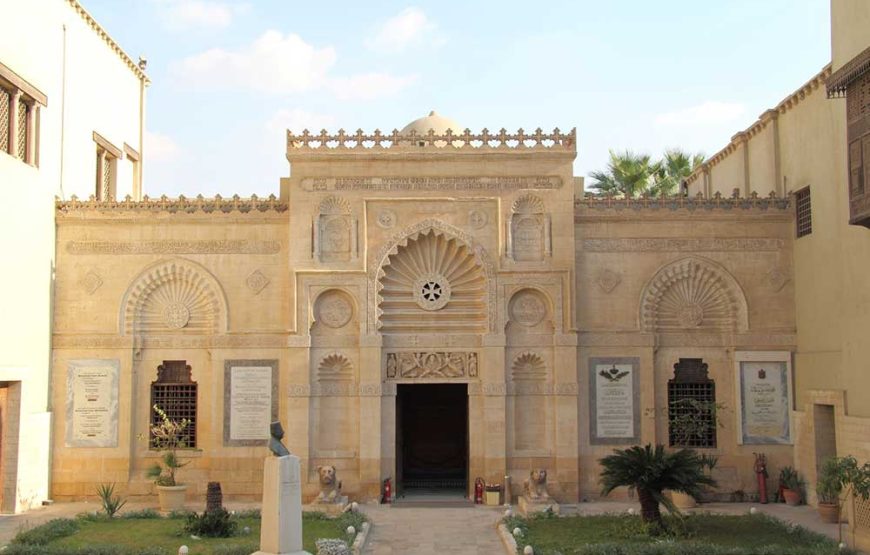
(92, 403)
(250, 401)
(764, 397)
(614, 400)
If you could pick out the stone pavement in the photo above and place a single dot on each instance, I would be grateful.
(430, 531)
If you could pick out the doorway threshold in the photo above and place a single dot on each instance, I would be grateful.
(432, 498)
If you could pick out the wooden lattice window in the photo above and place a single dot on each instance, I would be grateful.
(4, 120)
(22, 130)
(803, 212)
(862, 513)
(175, 393)
(691, 405)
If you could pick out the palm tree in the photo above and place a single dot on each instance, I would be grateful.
(652, 470)
(627, 174)
(672, 170)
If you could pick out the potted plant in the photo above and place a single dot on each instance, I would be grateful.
(792, 485)
(828, 489)
(692, 420)
(168, 436)
(843, 476)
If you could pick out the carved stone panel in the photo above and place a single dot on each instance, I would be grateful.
(434, 364)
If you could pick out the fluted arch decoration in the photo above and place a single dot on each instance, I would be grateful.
(174, 296)
(434, 281)
(693, 294)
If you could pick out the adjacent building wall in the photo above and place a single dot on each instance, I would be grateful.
(90, 85)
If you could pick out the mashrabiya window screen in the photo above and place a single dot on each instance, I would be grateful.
(22, 130)
(803, 212)
(4, 121)
(175, 393)
(691, 406)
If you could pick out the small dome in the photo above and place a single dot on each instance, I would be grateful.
(434, 121)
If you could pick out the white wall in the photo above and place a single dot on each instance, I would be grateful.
(103, 95)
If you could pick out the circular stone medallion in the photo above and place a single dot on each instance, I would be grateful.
(477, 219)
(691, 315)
(432, 292)
(334, 310)
(528, 309)
(386, 219)
(176, 315)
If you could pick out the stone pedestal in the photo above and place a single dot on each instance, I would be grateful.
(332, 509)
(281, 514)
(529, 507)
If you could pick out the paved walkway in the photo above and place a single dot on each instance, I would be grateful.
(430, 531)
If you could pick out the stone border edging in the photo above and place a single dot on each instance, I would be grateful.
(510, 544)
(360, 541)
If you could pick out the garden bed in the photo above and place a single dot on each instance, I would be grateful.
(148, 534)
(697, 534)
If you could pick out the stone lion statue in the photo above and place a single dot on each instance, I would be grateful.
(535, 488)
(329, 487)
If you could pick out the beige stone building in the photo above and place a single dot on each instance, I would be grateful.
(428, 305)
(71, 112)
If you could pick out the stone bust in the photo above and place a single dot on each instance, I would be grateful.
(277, 432)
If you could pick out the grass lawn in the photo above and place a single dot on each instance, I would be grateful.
(698, 534)
(153, 536)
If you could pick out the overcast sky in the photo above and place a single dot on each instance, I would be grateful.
(229, 77)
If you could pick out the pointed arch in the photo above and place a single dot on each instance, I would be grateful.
(174, 296)
(693, 293)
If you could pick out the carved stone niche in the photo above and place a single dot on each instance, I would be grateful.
(335, 231)
(530, 236)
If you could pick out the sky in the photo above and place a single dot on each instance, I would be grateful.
(229, 77)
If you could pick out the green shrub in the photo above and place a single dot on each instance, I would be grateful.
(111, 503)
(48, 532)
(142, 513)
(248, 513)
(211, 524)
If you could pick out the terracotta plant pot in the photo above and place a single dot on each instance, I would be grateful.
(171, 498)
(829, 512)
(683, 500)
(792, 498)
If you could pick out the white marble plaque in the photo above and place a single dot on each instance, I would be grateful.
(250, 402)
(92, 403)
(764, 389)
(615, 410)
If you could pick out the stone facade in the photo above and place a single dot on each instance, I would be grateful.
(417, 258)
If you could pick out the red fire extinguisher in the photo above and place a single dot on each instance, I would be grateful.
(478, 490)
(388, 492)
(761, 475)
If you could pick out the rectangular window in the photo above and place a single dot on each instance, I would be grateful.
(803, 212)
(19, 116)
(691, 406)
(107, 168)
(175, 393)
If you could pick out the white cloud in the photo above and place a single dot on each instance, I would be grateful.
(707, 113)
(367, 86)
(410, 27)
(296, 120)
(160, 147)
(273, 63)
(180, 15)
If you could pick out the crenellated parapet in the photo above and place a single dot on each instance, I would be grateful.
(179, 205)
(343, 143)
(717, 200)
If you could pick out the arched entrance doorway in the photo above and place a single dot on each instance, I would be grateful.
(433, 311)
